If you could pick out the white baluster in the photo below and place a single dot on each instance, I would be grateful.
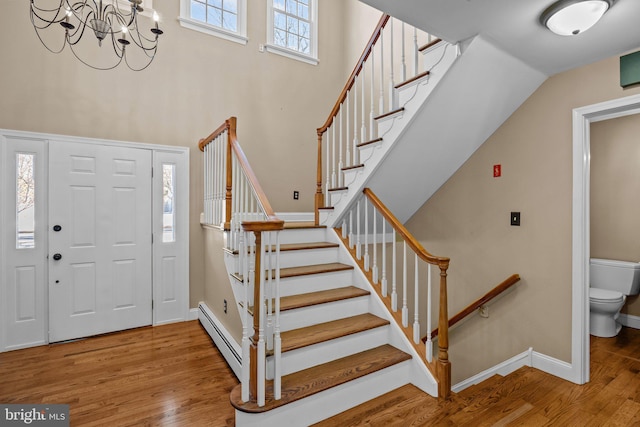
(381, 102)
(355, 122)
(340, 164)
(347, 159)
(383, 283)
(351, 228)
(372, 96)
(402, 59)
(405, 309)
(344, 228)
(261, 326)
(269, 291)
(394, 293)
(416, 312)
(374, 270)
(358, 250)
(363, 113)
(327, 185)
(366, 234)
(429, 343)
(277, 351)
(415, 51)
(244, 376)
(392, 88)
(334, 178)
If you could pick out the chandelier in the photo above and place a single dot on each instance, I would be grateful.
(114, 23)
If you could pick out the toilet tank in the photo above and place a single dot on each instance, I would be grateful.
(621, 276)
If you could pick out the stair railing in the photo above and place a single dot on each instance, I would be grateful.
(371, 231)
(389, 60)
(477, 304)
(235, 201)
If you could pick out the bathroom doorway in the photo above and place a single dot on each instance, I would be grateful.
(583, 118)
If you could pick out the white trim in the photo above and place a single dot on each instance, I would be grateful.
(239, 36)
(552, 366)
(193, 314)
(271, 47)
(203, 27)
(582, 119)
(295, 216)
(502, 369)
(230, 349)
(629, 321)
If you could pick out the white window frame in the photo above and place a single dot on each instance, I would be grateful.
(270, 46)
(193, 24)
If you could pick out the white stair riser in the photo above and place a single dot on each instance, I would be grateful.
(298, 235)
(308, 257)
(315, 282)
(330, 402)
(307, 357)
(321, 313)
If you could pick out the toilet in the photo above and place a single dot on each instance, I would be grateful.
(610, 283)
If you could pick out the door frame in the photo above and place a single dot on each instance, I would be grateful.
(582, 119)
(182, 219)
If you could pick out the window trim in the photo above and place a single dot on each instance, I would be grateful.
(193, 24)
(271, 47)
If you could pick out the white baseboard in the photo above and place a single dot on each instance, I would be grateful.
(193, 314)
(504, 368)
(629, 320)
(553, 366)
(230, 349)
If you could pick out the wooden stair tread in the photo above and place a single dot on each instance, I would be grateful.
(305, 270)
(310, 335)
(373, 141)
(390, 405)
(308, 382)
(320, 297)
(390, 113)
(430, 44)
(413, 79)
(306, 245)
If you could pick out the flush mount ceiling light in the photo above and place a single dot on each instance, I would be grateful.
(572, 17)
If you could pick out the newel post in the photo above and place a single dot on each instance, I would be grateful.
(319, 200)
(257, 313)
(231, 133)
(443, 367)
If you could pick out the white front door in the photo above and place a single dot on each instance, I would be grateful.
(100, 258)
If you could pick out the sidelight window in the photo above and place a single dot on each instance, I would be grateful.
(25, 201)
(168, 203)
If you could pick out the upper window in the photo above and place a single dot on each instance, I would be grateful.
(292, 29)
(222, 18)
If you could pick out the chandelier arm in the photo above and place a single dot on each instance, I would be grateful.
(137, 69)
(81, 27)
(33, 6)
(91, 66)
(40, 19)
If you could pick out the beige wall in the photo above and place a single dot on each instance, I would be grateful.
(615, 182)
(195, 82)
(468, 220)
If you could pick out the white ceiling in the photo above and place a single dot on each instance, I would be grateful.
(514, 26)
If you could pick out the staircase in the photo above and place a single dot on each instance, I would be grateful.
(340, 346)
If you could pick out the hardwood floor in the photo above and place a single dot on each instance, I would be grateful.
(174, 375)
(170, 375)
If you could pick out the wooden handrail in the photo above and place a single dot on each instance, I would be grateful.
(319, 200)
(506, 284)
(408, 237)
(356, 70)
(216, 133)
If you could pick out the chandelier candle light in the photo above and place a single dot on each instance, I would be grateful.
(113, 21)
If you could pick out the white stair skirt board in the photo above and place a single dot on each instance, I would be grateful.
(331, 402)
(230, 349)
(503, 369)
(629, 320)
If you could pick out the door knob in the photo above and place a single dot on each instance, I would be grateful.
(57, 257)
(57, 228)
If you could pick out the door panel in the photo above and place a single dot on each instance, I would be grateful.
(100, 196)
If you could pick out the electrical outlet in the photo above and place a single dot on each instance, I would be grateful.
(296, 195)
(484, 311)
(225, 306)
